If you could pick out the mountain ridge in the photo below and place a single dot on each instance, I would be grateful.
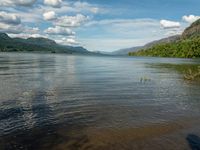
(125, 51)
(192, 31)
(40, 44)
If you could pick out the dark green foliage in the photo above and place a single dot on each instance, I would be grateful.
(189, 48)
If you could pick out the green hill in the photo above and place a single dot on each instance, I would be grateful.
(188, 46)
(8, 44)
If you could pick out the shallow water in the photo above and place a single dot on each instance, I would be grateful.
(95, 102)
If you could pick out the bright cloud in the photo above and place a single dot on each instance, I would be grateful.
(17, 2)
(85, 6)
(9, 18)
(71, 21)
(190, 18)
(177, 31)
(10, 28)
(11, 23)
(17, 29)
(24, 2)
(50, 15)
(169, 24)
(26, 35)
(53, 3)
(68, 41)
(59, 31)
(125, 22)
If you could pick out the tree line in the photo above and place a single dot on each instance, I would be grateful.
(185, 48)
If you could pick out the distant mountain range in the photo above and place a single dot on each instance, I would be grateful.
(162, 41)
(8, 44)
(126, 50)
(148, 45)
(190, 32)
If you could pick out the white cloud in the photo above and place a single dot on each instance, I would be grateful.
(50, 15)
(59, 31)
(26, 35)
(174, 32)
(8, 28)
(24, 2)
(190, 18)
(11, 23)
(73, 7)
(17, 29)
(17, 2)
(31, 30)
(9, 18)
(169, 24)
(71, 21)
(125, 22)
(53, 3)
(27, 15)
(71, 41)
(5, 2)
(67, 41)
(85, 6)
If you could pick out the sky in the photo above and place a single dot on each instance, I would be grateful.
(98, 25)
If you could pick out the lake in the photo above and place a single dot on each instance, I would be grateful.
(59, 102)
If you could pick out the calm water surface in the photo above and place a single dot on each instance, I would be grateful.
(92, 102)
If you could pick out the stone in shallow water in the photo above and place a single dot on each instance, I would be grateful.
(194, 141)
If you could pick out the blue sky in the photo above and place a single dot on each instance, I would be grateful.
(98, 25)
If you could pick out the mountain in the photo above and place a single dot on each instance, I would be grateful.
(185, 46)
(41, 41)
(4, 36)
(162, 41)
(8, 44)
(148, 45)
(125, 51)
(192, 31)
